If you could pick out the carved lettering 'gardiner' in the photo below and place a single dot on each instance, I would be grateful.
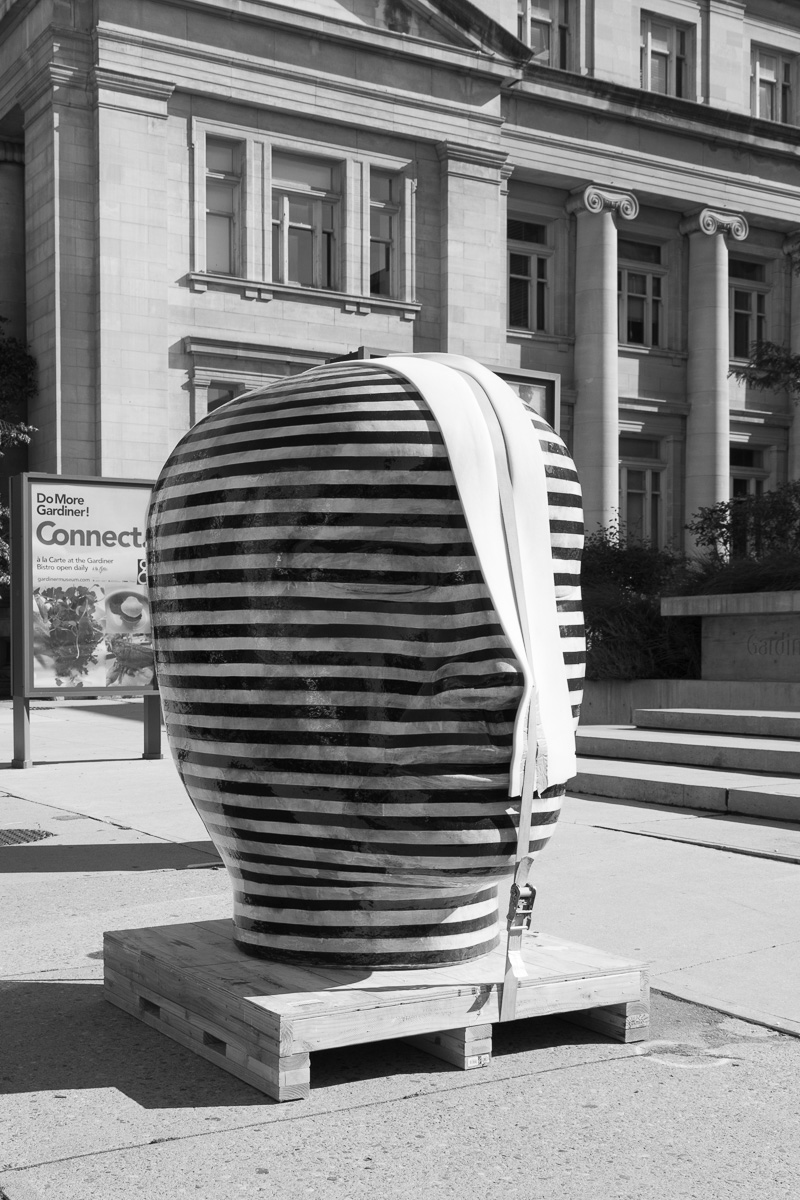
(780, 645)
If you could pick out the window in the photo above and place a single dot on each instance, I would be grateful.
(666, 57)
(771, 86)
(219, 394)
(639, 284)
(305, 215)
(270, 214)
(544, 25)
(748, 303)
(528, 275)
(384, 213)
(640, 489)
(747, 482)
(223, 205)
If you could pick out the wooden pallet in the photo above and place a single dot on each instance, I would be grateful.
(261, 1020)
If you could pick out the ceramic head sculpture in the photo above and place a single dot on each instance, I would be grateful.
(364, 587)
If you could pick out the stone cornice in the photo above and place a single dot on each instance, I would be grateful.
(480, 156)
(52, 83)
(102, 79)
(598, 199)
(714, 220)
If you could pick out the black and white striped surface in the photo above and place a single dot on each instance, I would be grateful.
(338, 692)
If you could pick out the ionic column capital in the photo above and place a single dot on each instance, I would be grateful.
(714, 220)
(596, 199)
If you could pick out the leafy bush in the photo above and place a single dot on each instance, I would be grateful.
(627, 637)
(758, 528)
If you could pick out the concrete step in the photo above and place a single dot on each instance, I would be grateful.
(779, 756)
(749, 723)
(741, 792)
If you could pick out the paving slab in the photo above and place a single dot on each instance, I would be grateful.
(763, 837)
(87, 759)
(690, 1114)
(699, 916)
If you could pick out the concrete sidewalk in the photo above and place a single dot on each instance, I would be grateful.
(99, 1106)
(710, 902)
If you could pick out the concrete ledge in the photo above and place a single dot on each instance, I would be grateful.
(778, 756)
(769, 797)
(613, 701)
(730, 604)
(753, 723)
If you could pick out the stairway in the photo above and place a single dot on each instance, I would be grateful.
(722, 760)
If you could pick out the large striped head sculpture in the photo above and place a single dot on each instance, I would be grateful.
(364, 587)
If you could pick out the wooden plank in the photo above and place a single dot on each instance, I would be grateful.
(468, 1047)
(623, 1022)
(260, 1020)
(291, 1082)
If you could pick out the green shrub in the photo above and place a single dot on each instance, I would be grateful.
(627, 637)
(755, 528)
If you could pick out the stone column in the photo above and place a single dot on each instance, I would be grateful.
(791, 248)
(472, 288)
(596, 434)
(708, 422)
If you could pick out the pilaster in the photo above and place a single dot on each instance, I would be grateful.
(596, 433)
(473, 241)
(132, 305)
(59, 217)
(708, 422)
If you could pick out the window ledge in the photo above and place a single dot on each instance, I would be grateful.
(652, 351)
(530, 335)
(254, 289)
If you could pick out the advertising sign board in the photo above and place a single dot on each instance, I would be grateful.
(80, 609)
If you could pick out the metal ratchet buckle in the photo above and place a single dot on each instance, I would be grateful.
(520, 909)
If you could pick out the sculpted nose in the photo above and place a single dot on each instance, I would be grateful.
(488, 685)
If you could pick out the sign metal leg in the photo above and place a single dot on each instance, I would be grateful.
(22, 733)
(152, 727)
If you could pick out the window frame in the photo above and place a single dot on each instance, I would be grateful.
(393, 208)
(785, 84)
(651, 271)
(652, 468)
(754, 288)
(322, 247)
(675, 30)
(253, 277)
(559, 25)
(538, 253)
(232, 181)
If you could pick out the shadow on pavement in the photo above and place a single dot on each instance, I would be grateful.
(70, 762)
(41, 858)
(62, 1036)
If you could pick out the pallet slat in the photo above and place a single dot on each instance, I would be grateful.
(260, 1020)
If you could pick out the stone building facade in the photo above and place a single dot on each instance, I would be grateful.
(598, 198)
